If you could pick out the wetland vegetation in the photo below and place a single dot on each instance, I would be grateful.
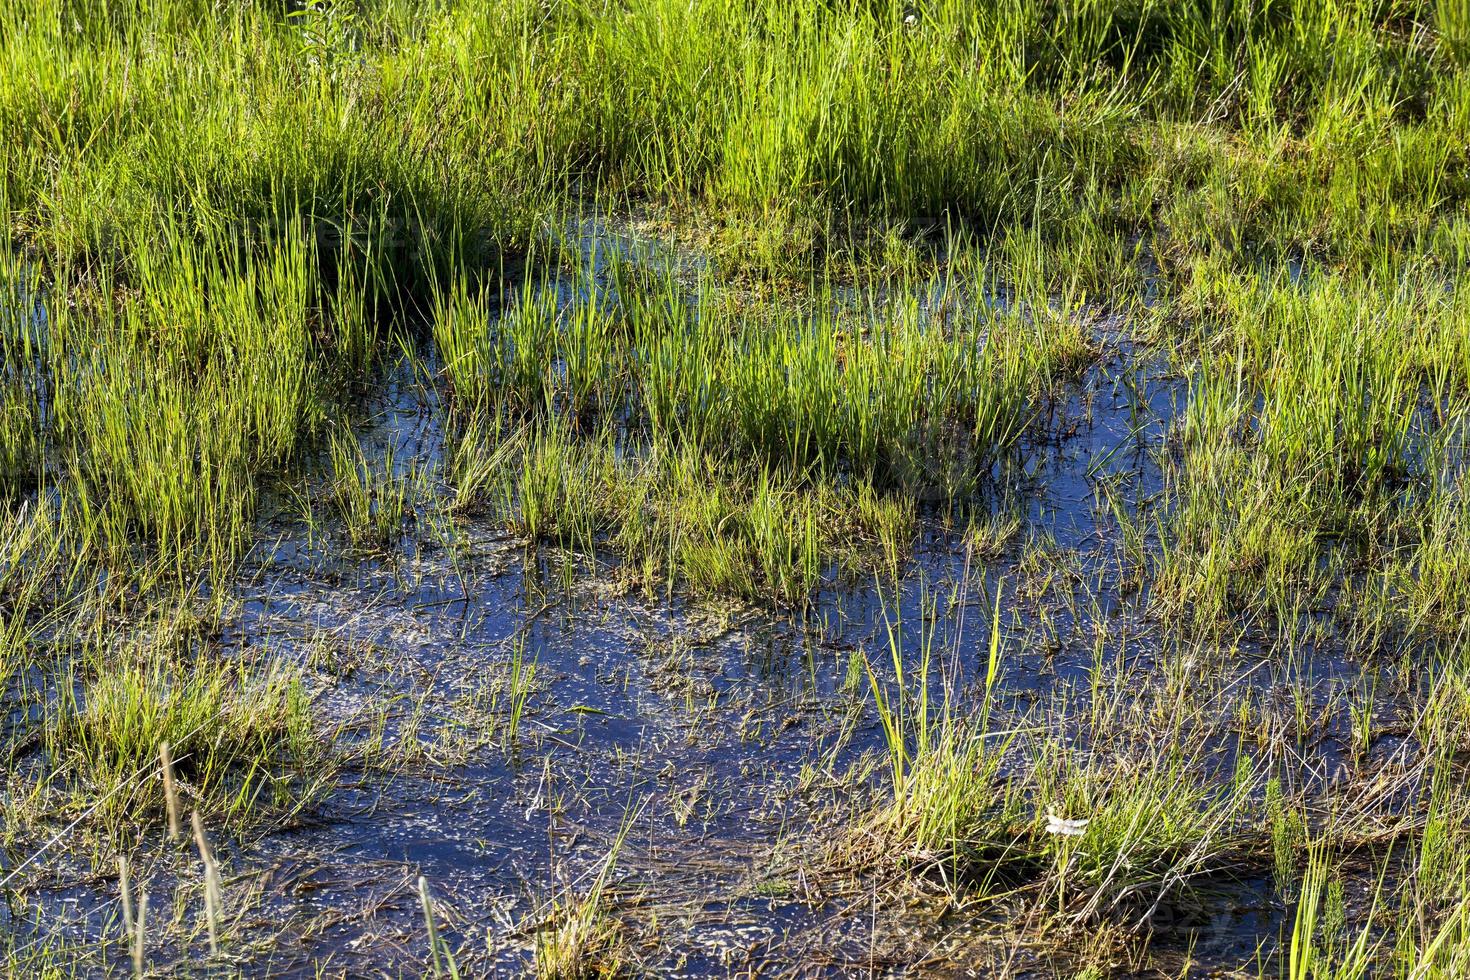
(687, 487)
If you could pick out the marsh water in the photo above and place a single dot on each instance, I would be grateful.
(688, 751)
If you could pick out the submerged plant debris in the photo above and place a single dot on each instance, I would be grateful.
(682, 488)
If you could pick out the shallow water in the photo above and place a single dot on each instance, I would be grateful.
(694, 748)
(694, 722)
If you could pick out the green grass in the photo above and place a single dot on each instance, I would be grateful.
(888, 393)
(1321, 416)
(892, 236)
(680, 516)
(371, 498)
(999, 804)
(1224, 137)
(245, 742)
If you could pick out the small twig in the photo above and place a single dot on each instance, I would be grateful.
(170, 791)
(127, 897)
(139, 932)
(211, 883)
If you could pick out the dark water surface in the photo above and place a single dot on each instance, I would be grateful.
(695, 748)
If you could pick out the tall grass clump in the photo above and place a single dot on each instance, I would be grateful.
(673, 515)
(890, 395)
(170, 403)
(372, 498)
(245, 742)
(1088, 830)
(1430, 583)
(955, 812)
(1312, 434)
(22, 378)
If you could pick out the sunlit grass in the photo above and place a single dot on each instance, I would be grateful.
(245, 743)
(893, 238)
